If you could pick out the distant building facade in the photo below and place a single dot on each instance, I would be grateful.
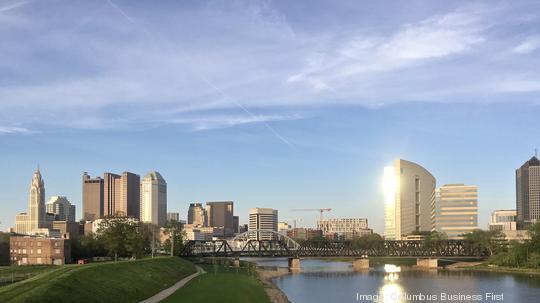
(154, 199)
(220, 214)
(67, 229)
(114, 195)
(35, 220)
(408, 189)
(346, 228)
(503, 219)
(301, 233)
(283, 227)
(30, 250)
(203, 233)
(92, 197)
(196, 214)
(61, 208)
(173, 217)
(265, 219)
(454, 210)
(236, 224)
(528, 193)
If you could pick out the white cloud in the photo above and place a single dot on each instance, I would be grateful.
(530, 45)
(412, 44)
(4, 130)
(200, 123)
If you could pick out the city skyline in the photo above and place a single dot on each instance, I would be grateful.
(246, 219)
(305, 117)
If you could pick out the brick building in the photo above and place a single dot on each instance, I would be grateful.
(30, 250)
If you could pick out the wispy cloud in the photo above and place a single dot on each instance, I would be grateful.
(530, 45)
(4, 130)
(434, 37)
(248, 58)
(12, 5)
(200, 123)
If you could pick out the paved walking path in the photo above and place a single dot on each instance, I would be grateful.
(169, 291)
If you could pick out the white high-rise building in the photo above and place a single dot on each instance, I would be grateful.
(34, 219)
(154, 199)
(61, 208)
(263, 219)
(454, 210)
(407, 193)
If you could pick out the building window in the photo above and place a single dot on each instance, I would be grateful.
(39, 244)
(38, 261)
(57, 251)
(39, 251)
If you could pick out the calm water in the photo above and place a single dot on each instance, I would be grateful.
(330, 281)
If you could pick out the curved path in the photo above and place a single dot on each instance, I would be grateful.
(169, 291)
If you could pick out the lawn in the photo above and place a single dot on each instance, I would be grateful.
(222, 284)
(127, 281)
(10, 274)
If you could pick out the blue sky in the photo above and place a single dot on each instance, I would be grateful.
(268, 103)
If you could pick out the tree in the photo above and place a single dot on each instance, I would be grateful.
(174, 230)
(113, 232)
(492, 240)
(368, 241)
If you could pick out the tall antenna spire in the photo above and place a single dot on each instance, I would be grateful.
(536, 152)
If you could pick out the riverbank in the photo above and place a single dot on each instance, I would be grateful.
(485, 267)
(266, 275)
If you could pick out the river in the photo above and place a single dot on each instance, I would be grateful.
(336, 282)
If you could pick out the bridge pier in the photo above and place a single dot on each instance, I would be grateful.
(427, 263)
(236, 262)
(294, 264)
(361, 264)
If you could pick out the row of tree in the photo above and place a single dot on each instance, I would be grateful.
(524, 254)
(501, 252)
(121, 237)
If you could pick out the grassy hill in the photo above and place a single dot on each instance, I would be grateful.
(222, 284)
(129, 281)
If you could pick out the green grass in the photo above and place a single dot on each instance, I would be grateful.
(128, 281)
(19, 273)
(224, 285)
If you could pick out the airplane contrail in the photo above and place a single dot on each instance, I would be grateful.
(213, 86)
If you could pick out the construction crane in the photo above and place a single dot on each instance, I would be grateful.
(320, 210)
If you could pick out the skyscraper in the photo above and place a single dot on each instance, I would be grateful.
(408, 188)
(61, 208)
(528, 193)
(130, 195)
(111, 193)
(121, 195)
(154, 199)
(36, 207)
(196, 214)
(454, 210)
(220, 214)
(92, 197)
(265, 219)
(35, 218)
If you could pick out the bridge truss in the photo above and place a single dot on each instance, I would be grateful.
(273, 244)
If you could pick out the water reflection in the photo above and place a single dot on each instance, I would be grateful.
(332, 281)
(391, 291)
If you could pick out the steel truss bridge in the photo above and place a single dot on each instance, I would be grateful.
(264, 243)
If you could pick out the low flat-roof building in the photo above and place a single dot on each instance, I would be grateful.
(30, 250)
(503, 219)
(346, 228)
